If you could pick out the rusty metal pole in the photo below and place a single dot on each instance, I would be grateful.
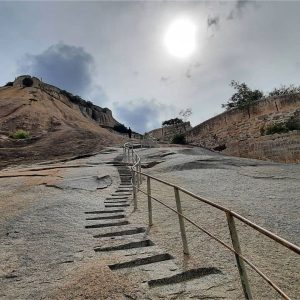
(134, 189)
(240, 263)
(137, 174)
(181, 222)
(140, 175)
(149, 201)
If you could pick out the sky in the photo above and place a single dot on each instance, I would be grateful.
(114, 53)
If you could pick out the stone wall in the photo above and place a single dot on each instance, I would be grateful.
(167, 133)
(239, 133)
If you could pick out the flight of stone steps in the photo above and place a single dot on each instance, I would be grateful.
(130, 252)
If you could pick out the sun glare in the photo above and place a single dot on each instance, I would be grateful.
(180, 38)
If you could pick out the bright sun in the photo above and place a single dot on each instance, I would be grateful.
(180, 38)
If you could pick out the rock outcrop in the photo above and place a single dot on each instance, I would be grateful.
(103, 116)
(56, 123)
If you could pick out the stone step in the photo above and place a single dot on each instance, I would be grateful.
(101, 225)
(111, 217)
(105, 211)
(118, 233)
(117, 205)
(141, 261)
(126, 246)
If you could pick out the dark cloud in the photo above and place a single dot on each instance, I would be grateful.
(136, 73)
(192, 67)
(213, 21)
(239, 7)
(68, 67)
(142, 115)
(188, 73)
(164, 79)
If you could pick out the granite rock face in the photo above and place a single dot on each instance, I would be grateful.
(103, 116)
(57, 123)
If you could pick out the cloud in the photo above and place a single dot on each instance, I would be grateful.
(65, 66)
(143, 115)
(165, 79)
(68, 67)
(193, 66)
(238, 9)
(213, 21)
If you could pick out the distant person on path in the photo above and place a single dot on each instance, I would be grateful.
(129, 132)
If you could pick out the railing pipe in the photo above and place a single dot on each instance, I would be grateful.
(262, 230)
(240, 263)
(134, 189)
(149, 202)
(136, 177)
(181, 222)
(140, 172)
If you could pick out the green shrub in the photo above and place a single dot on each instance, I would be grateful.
(175, 121)
(276, 128)
(10, 83)
(20, 134)
(292, 123)
(285, 90)
(121, 128)
(179, 139)
(27, 81)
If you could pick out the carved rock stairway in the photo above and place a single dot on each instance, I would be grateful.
(127, 249)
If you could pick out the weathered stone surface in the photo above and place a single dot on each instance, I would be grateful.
(89, 183)
(103, 116)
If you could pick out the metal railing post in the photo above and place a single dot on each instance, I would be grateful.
(149, 201)
(132, 154)
(240, 263)
(140, 170)
(181, 222)
(137, 175)
(134, 190)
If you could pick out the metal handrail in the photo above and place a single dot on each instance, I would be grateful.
(262, 230)
(136, 172)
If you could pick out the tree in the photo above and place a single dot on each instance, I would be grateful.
(244, 97)
(121, 128)
(285, 90)
(170, 122)
(185, 114)
(27, 81)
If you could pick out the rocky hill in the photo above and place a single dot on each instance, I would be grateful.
(56, 123)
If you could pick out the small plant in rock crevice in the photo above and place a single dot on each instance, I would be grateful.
(20, 134)
(291, 124)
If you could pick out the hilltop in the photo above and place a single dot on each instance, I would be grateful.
(58, 123)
